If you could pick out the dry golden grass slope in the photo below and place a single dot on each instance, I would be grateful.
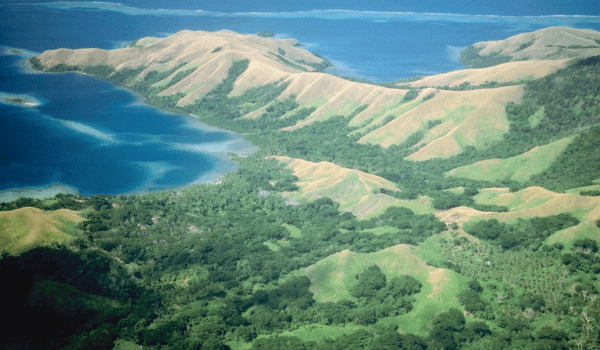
(332, 95)
(352, 189)
(468, 118)
(502, 73)
(25, 228)
(546, 44)
(210, 55)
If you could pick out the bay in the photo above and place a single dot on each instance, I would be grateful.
(99, 138)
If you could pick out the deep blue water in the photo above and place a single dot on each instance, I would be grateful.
(98, 138)
(94, 137)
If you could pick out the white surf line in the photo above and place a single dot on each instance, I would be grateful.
(332, 14)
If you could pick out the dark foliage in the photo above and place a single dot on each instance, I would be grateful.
(526, 233)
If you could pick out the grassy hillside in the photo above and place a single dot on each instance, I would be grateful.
(181, 69)
(466, 118)
(535, 202)
(511, 72)
(26, 228)
(519, 168)
(552, 43)
(355, 191)
(333, 278)
(208, 54)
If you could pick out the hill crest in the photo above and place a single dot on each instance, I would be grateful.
(552, 43)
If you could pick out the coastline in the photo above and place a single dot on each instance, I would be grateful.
(220, 152)
(42, 192)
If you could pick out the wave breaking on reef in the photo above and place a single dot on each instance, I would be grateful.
(332, 14)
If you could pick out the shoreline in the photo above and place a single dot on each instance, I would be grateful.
(42, 192)
(236, 143)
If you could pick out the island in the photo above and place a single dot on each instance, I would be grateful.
(19, 100)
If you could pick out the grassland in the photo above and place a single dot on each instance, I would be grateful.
(550, 43)
(510, 72)
(26, 228)
(225, 275)
(535, 202)
(468, 118)
(333, 277)
(355, 191)
(519, 168)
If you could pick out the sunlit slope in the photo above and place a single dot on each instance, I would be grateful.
(535, 202)
(466, 118)
(193, 63)
(204, 59)
(502, 73)
(546, 44)
(25, 228)
(333, 277)
(519, 168)
(332, 95)
(354, 190)
(208, 54)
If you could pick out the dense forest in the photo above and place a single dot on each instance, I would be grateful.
(212, 266)
(224, 266)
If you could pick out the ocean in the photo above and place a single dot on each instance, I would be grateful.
(98, 138)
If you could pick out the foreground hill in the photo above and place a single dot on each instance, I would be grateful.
(333, 279)
(25, 228)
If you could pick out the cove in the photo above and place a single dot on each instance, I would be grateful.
(96, 137)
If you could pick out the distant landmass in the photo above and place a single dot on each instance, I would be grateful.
(545, 44)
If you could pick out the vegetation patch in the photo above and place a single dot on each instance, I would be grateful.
(266, 34)
(471, 58)
(525, 233)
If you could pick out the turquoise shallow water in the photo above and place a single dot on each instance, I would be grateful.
(98, 138)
